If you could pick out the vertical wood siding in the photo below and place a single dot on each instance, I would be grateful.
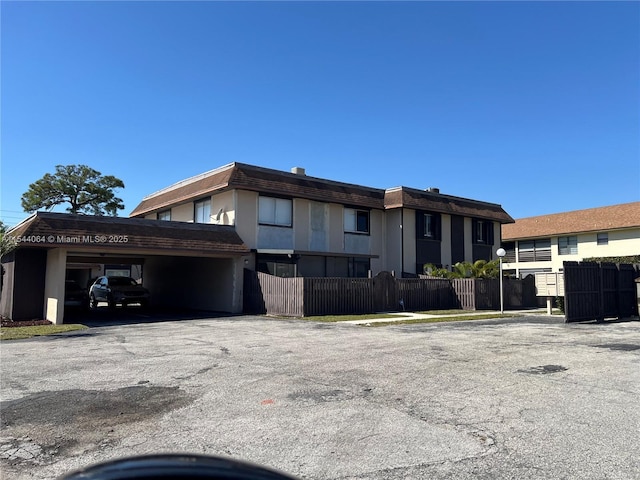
(595, 291)
(307, 296)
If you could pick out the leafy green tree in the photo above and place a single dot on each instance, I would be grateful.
(478, 269)
(7, 243)
(86, 190)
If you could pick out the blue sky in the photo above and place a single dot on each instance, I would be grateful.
(535, 106)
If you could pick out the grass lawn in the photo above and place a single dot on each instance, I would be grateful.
(343, 318)
(19, 333)
(447, 318)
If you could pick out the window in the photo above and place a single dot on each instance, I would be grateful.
(429, 226)
(202, 212)
(568, 245)
(510, 248)
(534, 250)
(482, 232)
(165, 215)
(359, 267)
(275, 211)
(603, 238)
(356, 221)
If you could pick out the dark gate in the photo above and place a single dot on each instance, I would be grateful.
(595, 291)
(385, 293)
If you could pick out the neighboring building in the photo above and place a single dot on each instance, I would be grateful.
(543, 243)
(297, 225)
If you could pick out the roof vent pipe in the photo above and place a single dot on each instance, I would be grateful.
(298, 171)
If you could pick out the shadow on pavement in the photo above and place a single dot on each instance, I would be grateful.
(104, 316)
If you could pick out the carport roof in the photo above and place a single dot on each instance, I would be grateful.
(46, 229)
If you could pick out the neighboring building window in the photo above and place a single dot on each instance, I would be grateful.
(568, 245)
(275, 211)
(202, 212)
(510, 248)
(534, 250)
(356, 221)
(165, 215)
(482, 232)
(603, 238)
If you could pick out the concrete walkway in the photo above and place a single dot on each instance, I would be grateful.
(402, 316)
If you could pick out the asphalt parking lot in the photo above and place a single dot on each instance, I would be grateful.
(528, 398)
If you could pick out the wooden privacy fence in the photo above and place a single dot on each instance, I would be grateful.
(306, 296)
(595, 291)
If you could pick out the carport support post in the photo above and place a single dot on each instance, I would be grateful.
(54, 285)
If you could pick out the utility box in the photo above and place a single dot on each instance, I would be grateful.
(549, 285)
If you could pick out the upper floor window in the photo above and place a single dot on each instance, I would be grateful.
(356, 221)
(568, 245)
(275, 211)
(164, 215)
(428, 226)
(482, 232)
(603, 238)
(202, 211)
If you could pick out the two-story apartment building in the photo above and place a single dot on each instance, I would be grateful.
(543, 243)
(298, 225)
(192, 240)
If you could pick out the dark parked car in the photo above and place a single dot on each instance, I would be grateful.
(118, 290)
(75, 296)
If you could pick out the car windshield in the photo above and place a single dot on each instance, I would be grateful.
(122, 281)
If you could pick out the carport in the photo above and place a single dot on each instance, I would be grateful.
(184, 265)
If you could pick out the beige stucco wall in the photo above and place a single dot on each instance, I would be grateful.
(301, 224)
(468, 239)
(378, 235)
(497, 238)
(336, 228)
(409, 239)
(182, 213)
(394, 240)
(445, 244)
(247, 211)
(225, 201)
(54, 285)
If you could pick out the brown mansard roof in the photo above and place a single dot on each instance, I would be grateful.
(276, 182)
(264, 180)
(437, 202)
(626, 215)
(46, 229)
